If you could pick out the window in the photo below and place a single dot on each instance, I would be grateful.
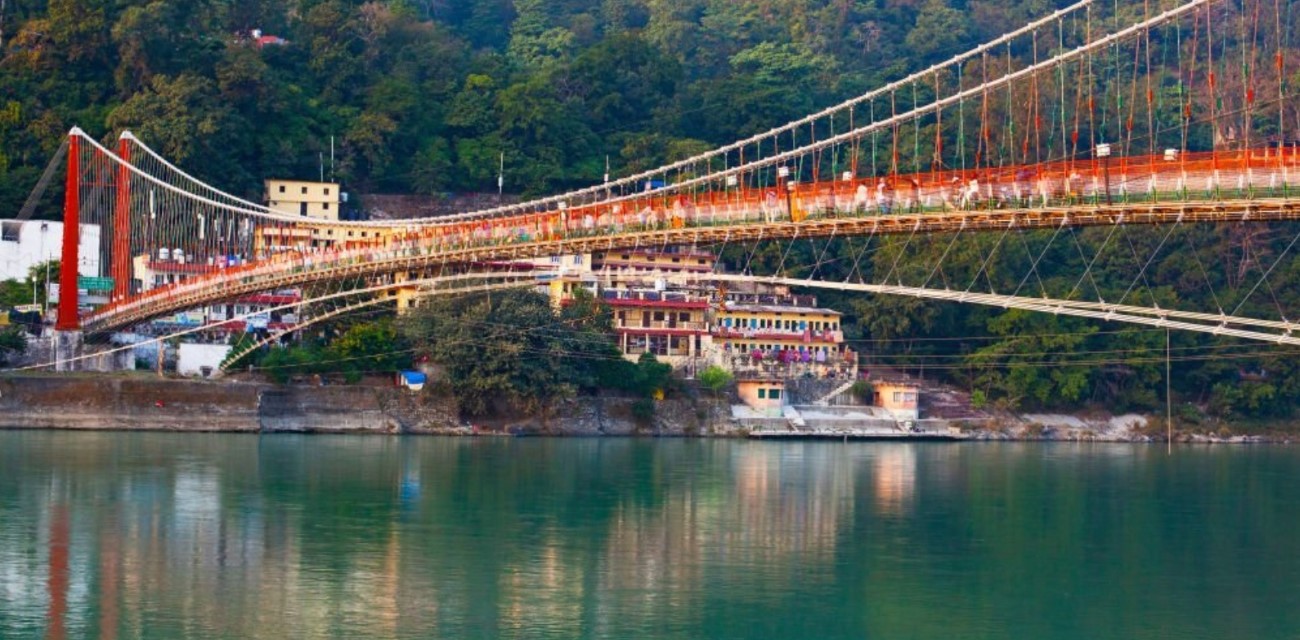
(684, 317)
(898, 396)
(555, 259)
(325, 206)
(327, 190)
(304, 190)
(281, 188)
(9, 231)
(659, 316)
(762, 393)
(773, 394)
(577, 259)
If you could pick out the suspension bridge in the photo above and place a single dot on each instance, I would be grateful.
(1167, 114)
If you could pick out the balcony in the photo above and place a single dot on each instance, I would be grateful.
(636, 324)
(836, 367)
(807, 335)
(675, 299)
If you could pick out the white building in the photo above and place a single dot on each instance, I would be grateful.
(27, 243)
(200, 359)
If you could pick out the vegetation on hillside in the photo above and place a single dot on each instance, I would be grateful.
(511, 350)
(420, 96)
(423, 96)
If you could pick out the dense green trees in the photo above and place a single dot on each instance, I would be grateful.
(31, 290)
(425, 96)
(510, 350)
(12, 342)
(362, 347)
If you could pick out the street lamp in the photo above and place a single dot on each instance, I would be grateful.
(783, 176)
(1103, 152)
(789, 199)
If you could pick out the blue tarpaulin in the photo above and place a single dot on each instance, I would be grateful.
(413, 379)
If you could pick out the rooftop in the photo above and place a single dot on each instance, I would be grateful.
(774, 308)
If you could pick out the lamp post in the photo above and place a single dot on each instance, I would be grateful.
(1103, 152)
(783, 175)
(789, 199)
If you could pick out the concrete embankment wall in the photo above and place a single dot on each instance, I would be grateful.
(142, 403)
(131, 403)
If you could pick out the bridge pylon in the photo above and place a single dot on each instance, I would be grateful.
(69, 318)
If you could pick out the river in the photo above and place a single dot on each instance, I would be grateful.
(157, 535)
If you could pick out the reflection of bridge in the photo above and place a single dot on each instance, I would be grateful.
(1064, 123)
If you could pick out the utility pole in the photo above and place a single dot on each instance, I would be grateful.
(1169, 402)
(1103, 152)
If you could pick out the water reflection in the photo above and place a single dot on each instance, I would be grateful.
(170, 536)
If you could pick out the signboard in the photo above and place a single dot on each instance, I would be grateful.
(90, 283)
(258, 321)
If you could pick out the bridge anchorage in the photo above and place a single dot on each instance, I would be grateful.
(1063, 164)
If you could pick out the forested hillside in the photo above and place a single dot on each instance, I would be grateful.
(421, 96)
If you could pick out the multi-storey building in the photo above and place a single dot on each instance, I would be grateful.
(318, 200)
(776, 334)
(673, 325)
(671, 260)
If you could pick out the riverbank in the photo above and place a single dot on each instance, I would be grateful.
(140, 402)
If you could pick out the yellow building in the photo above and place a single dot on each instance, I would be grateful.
(797, 337)
(766, 395)
(672, 260)
(319, 200)
(272, 238)
(899, 397)
(561, 276)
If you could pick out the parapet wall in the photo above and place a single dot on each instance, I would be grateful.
(140, 403)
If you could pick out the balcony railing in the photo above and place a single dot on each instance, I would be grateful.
(633, 324)
(737, 333)
(610, 295)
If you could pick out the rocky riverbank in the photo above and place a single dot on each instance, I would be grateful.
(137, 402)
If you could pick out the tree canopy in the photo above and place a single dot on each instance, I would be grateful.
(422, 96)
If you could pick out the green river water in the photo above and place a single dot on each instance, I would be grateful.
(116, 535)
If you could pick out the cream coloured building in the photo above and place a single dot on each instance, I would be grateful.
(319, 200)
